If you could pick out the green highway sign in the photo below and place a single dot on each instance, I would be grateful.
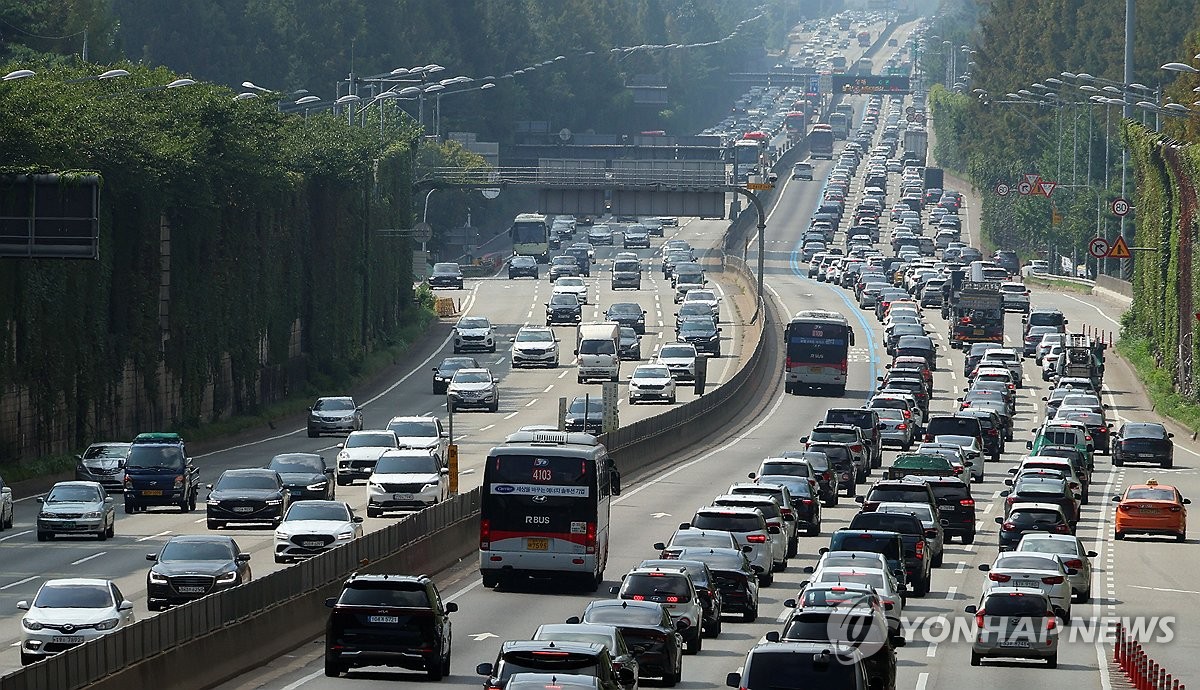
(869, 83)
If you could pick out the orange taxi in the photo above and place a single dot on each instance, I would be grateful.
(1151, 508)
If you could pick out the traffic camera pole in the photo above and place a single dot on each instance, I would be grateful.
(762, 247)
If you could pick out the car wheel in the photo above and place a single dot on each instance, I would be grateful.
(1118, 535)
(215, 524)
(937, 562)
(751, 615)
(43, 536)
(313, 434)
(1052, 661)
(341, 482)
(695, 644)
(332, 668)
(192, 501)
(1117, 462)
(968, 538)
(490, 580)
(495, 406)
(1167, 464)
(793, 547)
(766, 579)
(112, 529)
(632, 400)
(1084, 596)
(280, 559)
(128, 508)
(671, 679)
(27, 659)
(9, 522)
(374, 512)
(1182, 536)
(154, 606)
(975, 659)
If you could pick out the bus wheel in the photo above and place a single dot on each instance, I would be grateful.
(839, 390)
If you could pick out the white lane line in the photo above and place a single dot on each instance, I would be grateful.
(531, 403)
(1098, 310)
(1164, 589)
(548, 388)
(962, 565)
(922, 681)
(196, 522)
(468, 303)
(510, 415)
(17, 534)
(154, 536)
(932, 651)
(85, 559)
(18, 583)
(501, 360)
(303, 681)
(485, 428)
(564, 373)
(951, 592)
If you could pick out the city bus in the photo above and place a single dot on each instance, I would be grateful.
(531, 236)
(818, 351)
(546, 497)
(840, 124)
(820, 141)
(747, 155)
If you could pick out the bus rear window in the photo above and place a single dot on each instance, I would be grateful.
(518, 470)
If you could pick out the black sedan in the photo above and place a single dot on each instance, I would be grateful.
(247, 496)
(628, 314)
(190, 566)
(701, 333)
(305, 475)
(586, 414)
(523, 266)
(443, 372)
(446, 275)
(649, 634)
(1143, 442)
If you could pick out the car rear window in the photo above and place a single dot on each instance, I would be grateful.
(889, 522)
(1014, 604)
(1029, 518)
(960, 426)
(859, 418)
(950, 493)
(656, 587)
(791, 469)
(899, 495)
(730, 522)
(865, 542)
(785, 670)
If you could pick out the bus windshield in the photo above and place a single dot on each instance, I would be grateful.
(528, 232)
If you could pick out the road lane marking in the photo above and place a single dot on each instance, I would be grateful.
(531, 403)
(1164, 589)
(922, 681)
(932, 651)
(489, 426)
(564, 373)
(17, 534)
(951, 592)
(154, 536)
(548, 388)
(18, 583)
(510, 415)
(85, 559)
(962, 565)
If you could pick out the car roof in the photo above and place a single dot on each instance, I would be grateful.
(66, 581)
(250, 472)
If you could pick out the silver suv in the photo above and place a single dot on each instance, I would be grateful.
(1016, 623)
(474, 333)
(673, 588)
(474, 388)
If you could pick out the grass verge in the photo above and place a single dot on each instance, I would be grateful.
(362, 371)
(1056, 284)
(1166, 400)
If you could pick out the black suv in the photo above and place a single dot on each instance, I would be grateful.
(158, 472)
(389, 620)
(1143, 442)
(918, 562)
(868, 421)
(955, 506)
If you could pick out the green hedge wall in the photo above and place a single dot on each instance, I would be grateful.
(272, 221)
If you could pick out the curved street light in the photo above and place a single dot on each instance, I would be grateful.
(18, 74)
(1180, 67)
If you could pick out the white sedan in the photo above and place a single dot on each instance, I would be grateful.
(1042, 571)
(573, 286)
(68, 612)
(651, 382)
(313, 527)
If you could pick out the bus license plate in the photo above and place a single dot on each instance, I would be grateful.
(152, 492)
(537, 544)
(402, 497)
(816, 370)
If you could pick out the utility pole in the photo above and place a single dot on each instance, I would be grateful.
(1127, 113)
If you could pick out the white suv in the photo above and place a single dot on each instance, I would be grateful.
(406, 480)
(313, 527)
(673, 588)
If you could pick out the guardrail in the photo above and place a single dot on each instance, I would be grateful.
(1143, 672)
(206, 642)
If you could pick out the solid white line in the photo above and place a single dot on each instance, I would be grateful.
(303, 681)
(1165, 589)
(154, 536)
(19, 582)
(17, 534)
(468, 303)
(85, 559)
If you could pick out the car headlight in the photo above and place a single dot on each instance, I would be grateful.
(31, 624)
(157, 578)
(108, 624)
(275, 502)
(318, 486)
(427, 487)
(343, 455)
(282, 535)
(93, 515)
(344, 536)
(375, 488)
(227, 577)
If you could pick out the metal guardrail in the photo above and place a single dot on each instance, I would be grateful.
(565, 177)
(83, 665)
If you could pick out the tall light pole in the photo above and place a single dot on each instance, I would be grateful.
(437, 125)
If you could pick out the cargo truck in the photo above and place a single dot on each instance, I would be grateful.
(976, 314)
(916, 144)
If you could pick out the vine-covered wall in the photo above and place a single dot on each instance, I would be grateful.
(239, 258)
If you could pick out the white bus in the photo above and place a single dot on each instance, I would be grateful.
(545, 508)
(531, 236)
(818, 352)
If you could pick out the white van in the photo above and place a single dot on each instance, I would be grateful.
(802, 170)
(597, 348)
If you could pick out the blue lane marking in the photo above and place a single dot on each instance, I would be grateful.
(866, 327)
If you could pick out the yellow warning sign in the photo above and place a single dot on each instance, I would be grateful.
(1055, 216)
(1119, 249)
(759, 186)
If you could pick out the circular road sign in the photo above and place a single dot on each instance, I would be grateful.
(1024, 188)
(422, 232)
(1120, 207)
(1098, 247)
(1002, 188)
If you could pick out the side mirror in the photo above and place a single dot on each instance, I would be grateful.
(445, 471)
(733, 680)
(757, 569)
(451, 607)
(243, 558)
(682, 625)
(748, 549)
(1006, 493)
(484, 669)
(357, 519)
(614, 589)
(971, 609)
(1116, 499)
(1072, 571)
(108, 499)
(888, 606)
(773, 636)
(659, 546)
(1169, 433)
(1029, 445)
(126, 605)
(789, 603)
(862, 500)
(573, 620)
(685, 525)
(41, 499)
(984, 567)
(808, 569)
(1187, 501)
(1092, 554)
(1008, 482)
(823, 550)
(999, 521)
(24, 606)
(772, 529)
(152, 557)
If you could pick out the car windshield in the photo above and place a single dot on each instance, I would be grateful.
(468, 376)
(297, 463)
(564, 636)
(453, 364)
(835, 435)
(74, 596)
(696, 325)
(701, 296)
(592, 405)
(652, 373)
(257, 482)
(474, 322)
(407, 465)
(73, 494)
(630, 309)
(619, 615)
(566, 299)
(196, 551)
(535, 337)
(597, 347)
(149, 457)
(333, 405)
(314, 510)
(964, 441)
(371, 440)
(697, 538)
(563, 261)
(669, 352)
(1148, 494)
(923, 513)
(116, 450)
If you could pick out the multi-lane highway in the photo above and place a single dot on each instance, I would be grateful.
(528, 396)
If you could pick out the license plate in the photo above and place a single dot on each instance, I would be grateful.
(383, 619)
(1145, 455)
(1025, 583)
(152, 492)
(402, 497)
(64, 639)
(191, 589)
(815, 370)
(312, 544)
(1020, 644)
(296, 492)
(978, 331)
(537, 544)
(243, 509)
(1147, 511)
(66, 525)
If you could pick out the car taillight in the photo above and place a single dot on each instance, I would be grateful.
(672, 600)
(828, 476)
(1012, 387)
(993, 432)
(1008, 526)
(806, 501)
(1175, 509)
(999, 577)
(901, 426)
(1062, 529)
(844, 365)
(756, 538)
(485, 534)
(1010, 500)
(1074, 563)
(1051, 623)
(979, 618)
(590, 538)
(786, 512)
(787, 363)
(128, 482)
(1053, 580)
(907, 414)
(931, 532)
(967, 503)
(928, 437)
(920, 549)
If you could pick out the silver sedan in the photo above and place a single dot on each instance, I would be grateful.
(1073, 555)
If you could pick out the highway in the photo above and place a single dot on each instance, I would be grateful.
(528, 396)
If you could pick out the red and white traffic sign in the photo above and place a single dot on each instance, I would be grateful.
(1098, 247)
(1046, 188)
(1002, 188)
(1032, 179)
(1024, 188)
(1120, 206)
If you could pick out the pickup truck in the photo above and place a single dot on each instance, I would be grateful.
(158, 472)
(921, 465)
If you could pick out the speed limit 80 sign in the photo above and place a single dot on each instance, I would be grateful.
(1120, 206)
